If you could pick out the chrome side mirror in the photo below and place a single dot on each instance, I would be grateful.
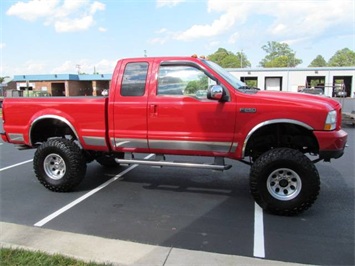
(104, 92)
(215, 92)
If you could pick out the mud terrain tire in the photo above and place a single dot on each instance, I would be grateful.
(59, 165)
(284, 181)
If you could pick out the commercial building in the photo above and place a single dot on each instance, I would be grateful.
(61, 84)
(330, 81)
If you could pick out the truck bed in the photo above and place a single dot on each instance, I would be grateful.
(85, 115)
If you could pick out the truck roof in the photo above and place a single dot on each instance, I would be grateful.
(162, 58)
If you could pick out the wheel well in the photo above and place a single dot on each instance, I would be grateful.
(281, 135)
(49, 128)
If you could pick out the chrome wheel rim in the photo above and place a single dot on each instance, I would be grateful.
(54, 166)
(284, 184)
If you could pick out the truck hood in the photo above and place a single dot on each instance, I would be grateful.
(311, 110)
(297, 99)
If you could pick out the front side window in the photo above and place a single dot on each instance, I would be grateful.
(175, 80)
(134, 79)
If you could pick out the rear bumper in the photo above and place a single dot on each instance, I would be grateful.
(331, 143)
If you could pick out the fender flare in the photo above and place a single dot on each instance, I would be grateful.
(270, 122)
(56, 117)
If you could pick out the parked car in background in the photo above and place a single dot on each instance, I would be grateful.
(40, 94)
(316, 91)
(341, 94)
(339, 91)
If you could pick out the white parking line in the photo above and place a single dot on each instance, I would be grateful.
(14, 165)
(85, 196)
(259, 245)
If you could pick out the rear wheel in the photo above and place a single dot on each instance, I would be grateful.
(284, 181)
(59, 165)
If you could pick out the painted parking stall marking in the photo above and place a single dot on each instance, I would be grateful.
(15, 165)
(259, 246)
(87, 195)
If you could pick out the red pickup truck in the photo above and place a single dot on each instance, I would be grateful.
(184, 106)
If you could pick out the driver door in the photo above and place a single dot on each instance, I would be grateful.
(180, 117)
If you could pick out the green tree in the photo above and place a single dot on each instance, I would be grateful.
(279, 55)
(344, 57)
(228, 59)
(2, 79)
(319, 61)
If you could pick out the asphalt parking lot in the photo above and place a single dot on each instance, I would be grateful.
(187, 208)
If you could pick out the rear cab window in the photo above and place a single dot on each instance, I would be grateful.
(134, 79)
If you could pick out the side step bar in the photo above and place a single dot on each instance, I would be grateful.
(217, 165)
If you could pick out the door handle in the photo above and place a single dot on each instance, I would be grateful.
(153, 109)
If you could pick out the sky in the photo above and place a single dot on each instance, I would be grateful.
(67, 36)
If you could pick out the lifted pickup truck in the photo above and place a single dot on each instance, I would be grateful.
(184, 106)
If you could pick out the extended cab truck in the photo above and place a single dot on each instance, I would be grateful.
(183, 106)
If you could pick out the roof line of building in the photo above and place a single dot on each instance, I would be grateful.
(61, 77)
(282, 69)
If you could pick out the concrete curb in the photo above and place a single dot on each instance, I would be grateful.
(116, 252)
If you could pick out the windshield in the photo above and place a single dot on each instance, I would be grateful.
(234, 81)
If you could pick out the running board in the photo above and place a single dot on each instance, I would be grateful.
(218, 164)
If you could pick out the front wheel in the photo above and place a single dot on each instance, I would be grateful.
(59, 165)
(284, 181)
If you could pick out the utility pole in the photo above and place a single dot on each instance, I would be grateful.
(78, 67)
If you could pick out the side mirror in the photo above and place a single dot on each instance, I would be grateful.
(215, 92)
(104, 93)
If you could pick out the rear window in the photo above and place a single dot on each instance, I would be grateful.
(134, 79)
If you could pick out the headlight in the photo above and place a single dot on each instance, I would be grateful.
(331, 121)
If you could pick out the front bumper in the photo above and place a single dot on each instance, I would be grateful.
(331, 143)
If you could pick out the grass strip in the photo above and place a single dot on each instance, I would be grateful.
(20, 257)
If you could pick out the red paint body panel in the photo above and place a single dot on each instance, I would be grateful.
(177, 124)
(85, 114)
